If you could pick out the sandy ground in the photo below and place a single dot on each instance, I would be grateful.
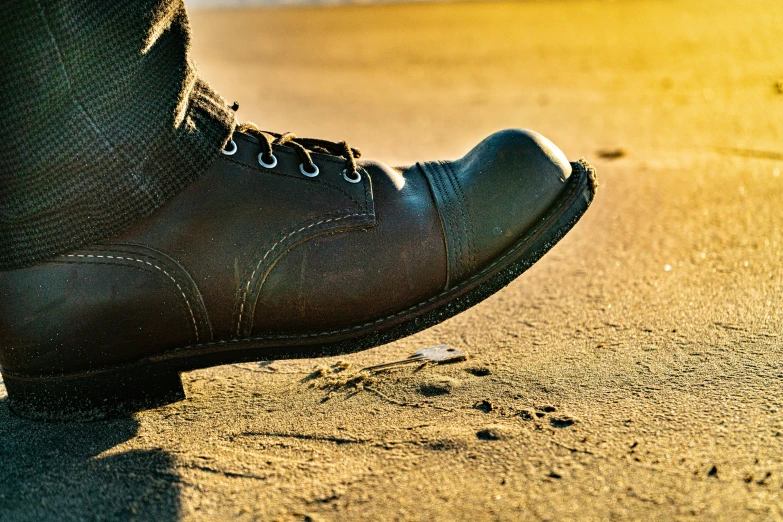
(634, 372)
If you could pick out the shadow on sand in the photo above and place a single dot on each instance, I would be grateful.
(54, 472)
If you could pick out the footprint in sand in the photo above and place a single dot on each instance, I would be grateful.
(479, 371)
(484, 405)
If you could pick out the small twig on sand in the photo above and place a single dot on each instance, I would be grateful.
(576, 450)
(230, 474)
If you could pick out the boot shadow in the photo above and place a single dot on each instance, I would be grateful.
(53, 472)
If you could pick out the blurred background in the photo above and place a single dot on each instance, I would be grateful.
(407, 80)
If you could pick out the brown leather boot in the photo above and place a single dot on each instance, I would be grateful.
(285, 248)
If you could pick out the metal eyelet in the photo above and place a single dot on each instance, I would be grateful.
(357, 179)
(232, 151)
(309, 174)
(272, 164)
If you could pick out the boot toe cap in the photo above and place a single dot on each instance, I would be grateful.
(495, 195)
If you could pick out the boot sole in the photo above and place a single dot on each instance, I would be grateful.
(155, 381)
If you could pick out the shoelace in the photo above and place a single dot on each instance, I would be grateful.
(303, 147)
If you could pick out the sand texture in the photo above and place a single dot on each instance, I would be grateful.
(634, 373)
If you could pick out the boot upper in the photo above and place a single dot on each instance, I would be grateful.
(258, 248)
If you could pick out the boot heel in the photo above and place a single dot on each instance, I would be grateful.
(92, 396)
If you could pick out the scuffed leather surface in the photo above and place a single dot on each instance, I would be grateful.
(348, 278)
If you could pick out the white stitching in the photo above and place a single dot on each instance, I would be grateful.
(253, 274)
(464, 209)
(187, 301)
